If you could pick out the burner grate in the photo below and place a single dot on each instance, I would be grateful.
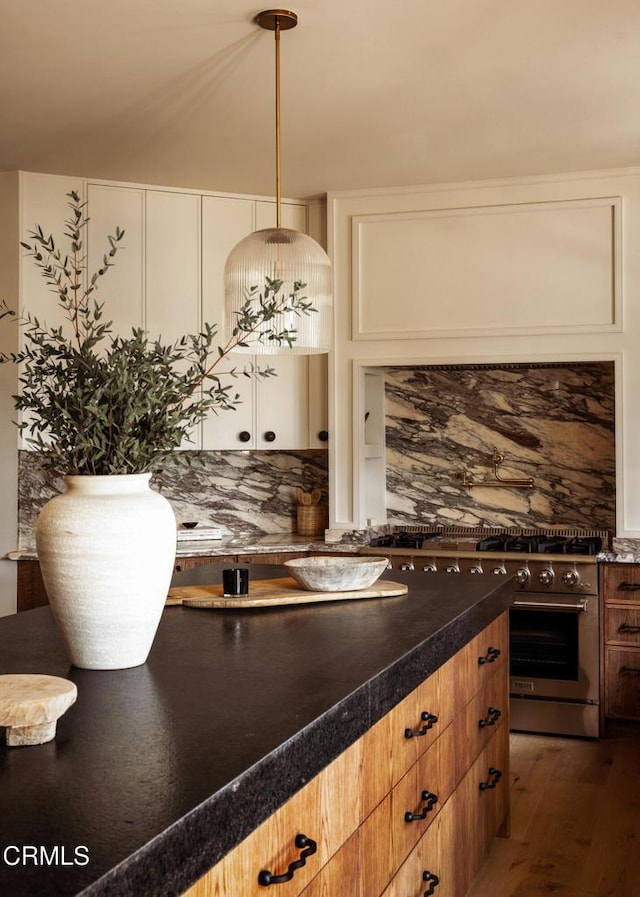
(487, 532)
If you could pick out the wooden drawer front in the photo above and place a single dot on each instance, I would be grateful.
(621, 582)
(481, 812)
(183, 564)
(487, 710)
(30, 590)
(485, 654)
(622, 683)
(422, 792)
(387, 751)
(425, 857)
(322, 810)
(622, 625)
(420, 717)
(386, 837)
(278, 557)
(341, 875)
(376, 863)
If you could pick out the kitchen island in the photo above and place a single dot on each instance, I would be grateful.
(160, 771)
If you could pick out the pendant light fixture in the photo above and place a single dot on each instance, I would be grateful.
(280, 253)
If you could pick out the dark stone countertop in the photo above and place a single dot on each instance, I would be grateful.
(160, 770)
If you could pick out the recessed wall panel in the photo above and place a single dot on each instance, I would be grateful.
(540, 267)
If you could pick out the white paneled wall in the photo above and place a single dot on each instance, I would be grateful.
(538, 269)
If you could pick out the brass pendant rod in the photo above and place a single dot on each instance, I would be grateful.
(277, 20)
(277, 39)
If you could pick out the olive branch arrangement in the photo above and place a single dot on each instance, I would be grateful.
(98, 403)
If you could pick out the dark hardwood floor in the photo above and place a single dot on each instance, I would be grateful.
(575, 819)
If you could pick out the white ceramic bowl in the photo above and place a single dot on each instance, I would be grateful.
(336, 574)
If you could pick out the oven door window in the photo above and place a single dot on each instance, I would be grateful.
(544, 644)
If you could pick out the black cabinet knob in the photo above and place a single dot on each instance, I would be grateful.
(323, 435)
(269, 436)
(244, 436)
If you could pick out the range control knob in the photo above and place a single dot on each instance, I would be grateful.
(500, 571)
(476, 568)
(522, 576)
(546, 576)
(453, 568)
(408, 567)
(429, 568)
(571, 578)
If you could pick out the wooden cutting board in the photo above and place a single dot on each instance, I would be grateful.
(274, 593)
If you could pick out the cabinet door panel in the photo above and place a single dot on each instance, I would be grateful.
(172, 264)
(621, 582)
(282, 403)
(122, 287)
(282, 400)
(225, 221)
(622, 679)
(44, 202)
(172, 270)
(622, 625)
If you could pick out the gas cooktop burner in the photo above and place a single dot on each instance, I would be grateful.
(540, 543)
(543, 544)
(401, 540)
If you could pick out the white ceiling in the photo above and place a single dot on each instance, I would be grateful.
(180, 92)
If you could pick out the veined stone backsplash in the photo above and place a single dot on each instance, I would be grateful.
(244, 492)
(554, 423)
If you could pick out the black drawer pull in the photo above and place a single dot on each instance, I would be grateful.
(629, 670)
(435, 881)
(430, 800)
(629, 586)
(494, 777)
(492, 717)
(491, 655)
(428, 719)
(626, 627)
(304, 844)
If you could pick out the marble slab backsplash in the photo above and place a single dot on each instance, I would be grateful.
(554, 423)
(245, 492)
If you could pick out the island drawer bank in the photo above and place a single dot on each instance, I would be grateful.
(164, 770)
(421, 791)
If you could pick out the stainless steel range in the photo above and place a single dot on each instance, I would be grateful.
(554, 620)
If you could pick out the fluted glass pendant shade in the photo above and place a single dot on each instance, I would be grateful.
(281, 254)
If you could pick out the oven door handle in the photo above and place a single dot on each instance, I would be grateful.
(572, 605)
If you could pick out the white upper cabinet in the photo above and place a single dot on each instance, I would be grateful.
(44, 203)
(122, 287)
(281, 418)
(225, 221)
(272, 413)
(172, 264)
(168, 277)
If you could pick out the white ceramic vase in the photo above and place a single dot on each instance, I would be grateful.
(106, 548)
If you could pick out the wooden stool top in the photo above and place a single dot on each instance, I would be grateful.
(31, 704)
